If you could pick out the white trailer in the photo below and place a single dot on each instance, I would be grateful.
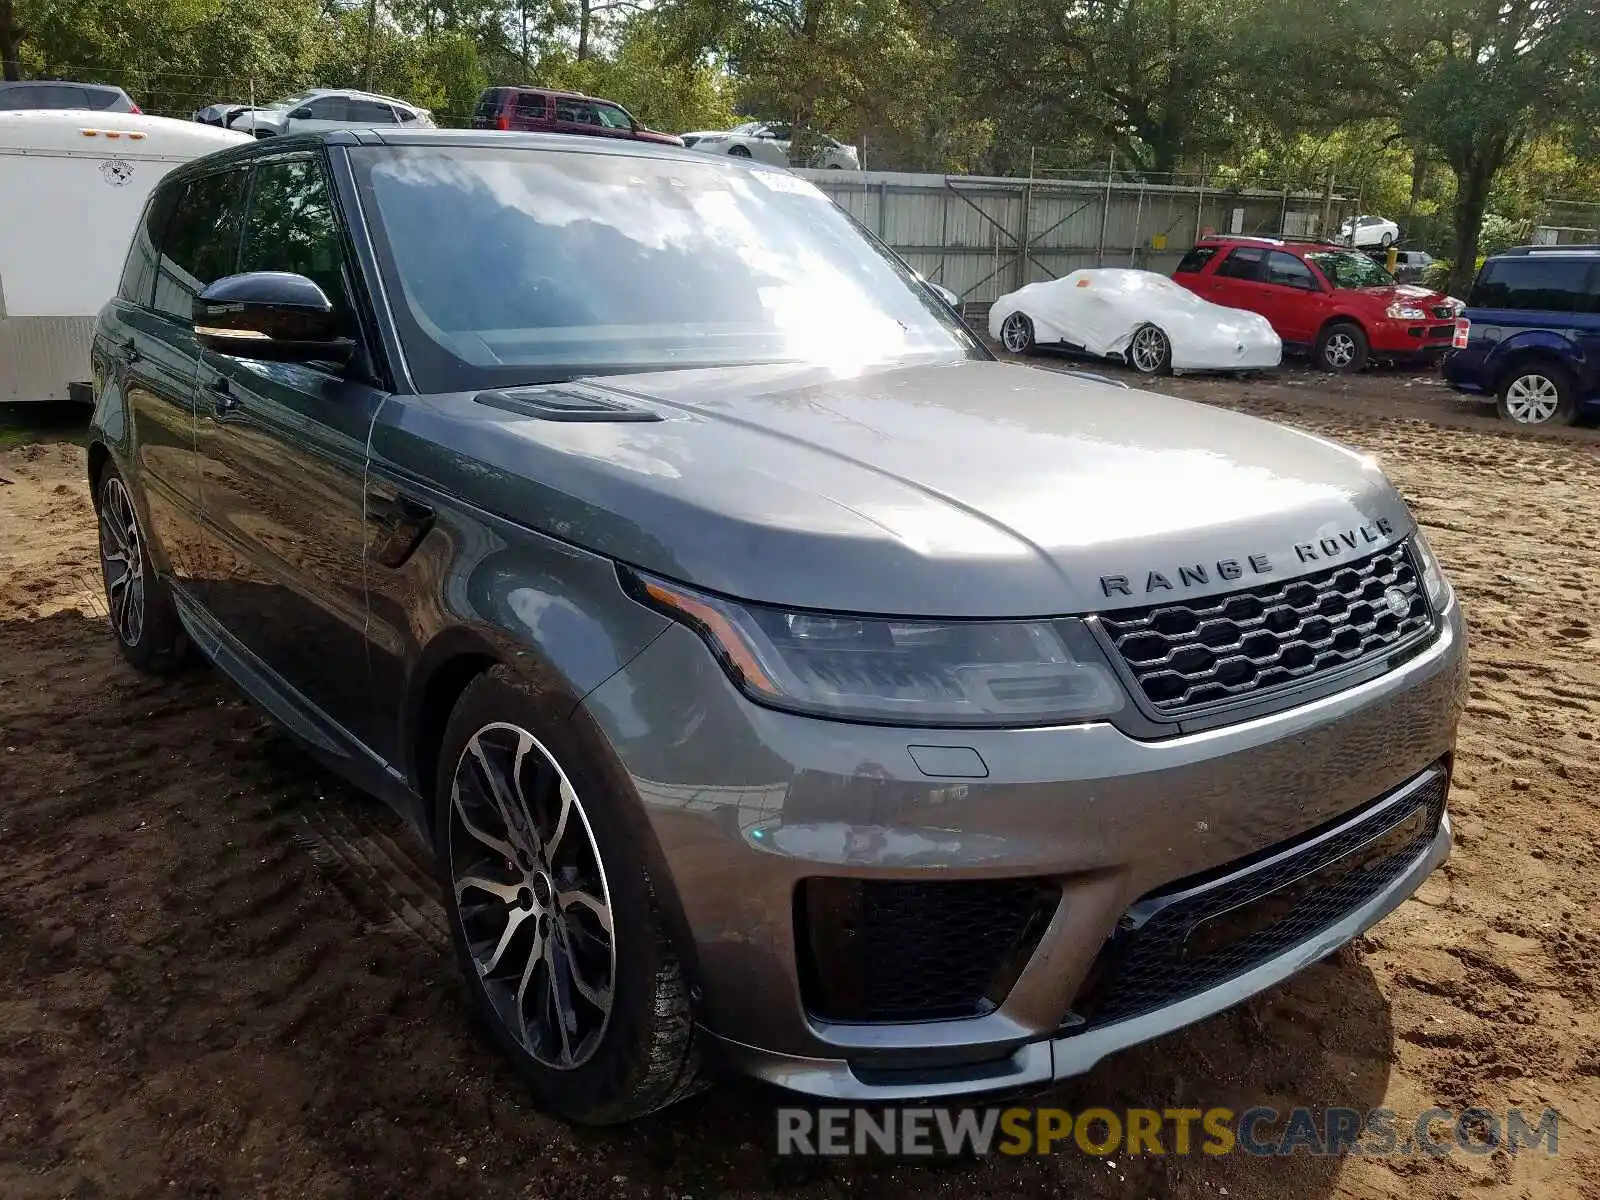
(72, 186)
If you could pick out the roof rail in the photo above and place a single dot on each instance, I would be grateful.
(1573, 248)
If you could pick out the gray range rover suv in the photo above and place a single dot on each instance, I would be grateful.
(780, 681)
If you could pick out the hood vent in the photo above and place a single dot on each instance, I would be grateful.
(563, 404)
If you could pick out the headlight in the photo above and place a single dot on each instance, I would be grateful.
(1406, 312)
(1433, 580)
(911, 672)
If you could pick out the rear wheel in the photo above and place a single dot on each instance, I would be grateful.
(1538, 393)
(142, 614)
(554, 915)
(1016, 334)
(1342, 348)
(1150, 351)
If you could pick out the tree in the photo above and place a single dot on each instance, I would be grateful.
(1147, 79)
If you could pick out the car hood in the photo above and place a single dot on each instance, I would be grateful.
(655, 135)
(1382, 297)
(970, 488)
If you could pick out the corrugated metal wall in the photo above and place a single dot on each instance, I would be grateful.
(983, 237)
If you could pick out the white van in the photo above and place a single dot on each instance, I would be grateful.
(72, 186)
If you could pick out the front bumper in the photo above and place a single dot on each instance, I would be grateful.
(1412, 341)
(747, 804)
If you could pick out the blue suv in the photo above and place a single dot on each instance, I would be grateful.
(1534, 337)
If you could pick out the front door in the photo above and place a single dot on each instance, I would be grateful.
(191, 234)
(282, 451)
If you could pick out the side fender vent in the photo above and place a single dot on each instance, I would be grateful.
(563, 404)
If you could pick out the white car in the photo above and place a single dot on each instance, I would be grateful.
(1144, 319)
(1369, 231)
(768, 142)
(329, 108)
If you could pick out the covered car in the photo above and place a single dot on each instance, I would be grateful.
(1139, 317)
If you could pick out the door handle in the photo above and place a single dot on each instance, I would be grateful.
(223, 400)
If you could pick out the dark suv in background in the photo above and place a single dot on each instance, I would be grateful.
(538, 110)
(1534, 341)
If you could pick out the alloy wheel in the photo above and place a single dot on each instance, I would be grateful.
(1149, 349)
(531, 896)
(1532, 399)
(1014, 334)
(122, 561)
(1340, 350)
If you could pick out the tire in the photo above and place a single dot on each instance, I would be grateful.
(625, 1044)
(1537, 392)
(1150, 351)
(142, 615)
(1016, 334)
(1341, 348)
(1386, 240)
(739, 151)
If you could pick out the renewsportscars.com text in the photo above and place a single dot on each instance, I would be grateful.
(1258, 1131)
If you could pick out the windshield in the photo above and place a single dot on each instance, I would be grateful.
(291, 102)
(1346, 269)
(516, 266)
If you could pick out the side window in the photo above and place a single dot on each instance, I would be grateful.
(139, 272)
(488, 104)
(612, 117)
(531, 107)
(1195, 261)
(201, 241)
(578, 112)
(1288, 271)
(291, 226)
(406, 115)
(1533, 283)
(370, 112)
(1243, 262)
(330, 108)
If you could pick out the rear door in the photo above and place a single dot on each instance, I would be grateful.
(282, 451)
(1293, 299)
(371, 112)
(1236, 280)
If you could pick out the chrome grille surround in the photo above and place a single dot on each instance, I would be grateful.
(1185, 657)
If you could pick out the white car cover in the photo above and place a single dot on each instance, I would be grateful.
(1098, 310)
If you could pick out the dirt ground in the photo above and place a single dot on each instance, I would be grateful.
(222, 972)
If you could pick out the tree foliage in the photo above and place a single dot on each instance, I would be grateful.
(1436, 112)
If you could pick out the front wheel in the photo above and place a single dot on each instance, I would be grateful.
(739, 151)
(1342, 348)
(1016, 335)
(1386, 240)
(1150, 351)
(1539, 394)
(143, 618)
(553, 912)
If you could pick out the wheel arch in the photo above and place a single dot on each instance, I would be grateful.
(99, 458)
(458, 657)
(1522, 358)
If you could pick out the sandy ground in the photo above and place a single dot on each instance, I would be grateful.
(222, 973)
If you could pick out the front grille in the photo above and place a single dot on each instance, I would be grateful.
(1198, 934)
(890, 950)
(1185, 655)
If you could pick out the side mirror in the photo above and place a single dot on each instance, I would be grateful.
(303, 113)
(272, 316)
(945, 294)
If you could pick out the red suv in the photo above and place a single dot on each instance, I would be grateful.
(537, 110)
(1336, 302)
